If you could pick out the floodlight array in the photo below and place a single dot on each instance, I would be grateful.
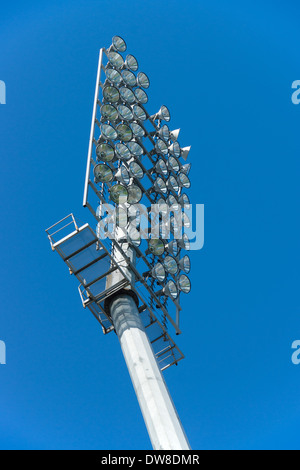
(135, 164)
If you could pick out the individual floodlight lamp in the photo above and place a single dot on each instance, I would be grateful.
(184, 242)
(158, 272)
(115, 59)
(127, 95)
(174, 135)
(139, 113)
(124, 132)
(136, 170)
(184, 201)
(170, 290)
(103, 173)
(164, 133)
(172, 184)
(129, 78)
(113, 76)
(131, 63)
(135, 148)
(185, 264)
(135, 194)
(185, 152)
(160, 168)
(162, 115)
(105, 152)
(161, 147)
(143, 80)
(122, 151)
(119, 194)
(171, 265)
(111, 94)
(108, 132)
(137, 130)
(183, 181)
(172, 248)
(175, 149)
(172, 202)
(118, 44)
(141, 96)
(184, 284)
(173, 164)
(125, 113)
(186, 168)
(156, 247)
(109, 113)
(160, 186)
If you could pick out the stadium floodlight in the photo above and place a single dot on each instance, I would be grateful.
(137, 130)
(105, 152)
(122, 151)
(162, 115)
(170, 265)
(143, 80)
(131, 63)
(129, 78)
(174, 135)
(125, 113)
(185, 264)
(103, 173)
(185, 152)
(109, 113)
(184, 284)
(113, 76)
(111, 94)
(118, 44)
(133, 269)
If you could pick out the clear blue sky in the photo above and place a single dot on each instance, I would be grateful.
(225, 69)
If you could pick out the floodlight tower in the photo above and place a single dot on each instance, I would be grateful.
(132, 271)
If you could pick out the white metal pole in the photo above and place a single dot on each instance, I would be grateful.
(161, 419)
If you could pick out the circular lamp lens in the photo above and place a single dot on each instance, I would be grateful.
(170, 265)
(132, 63)
(136, 170)
(127, 95)
(119, 44)
(109, 112)
(137, 130)
(135, 149)
(161, 167)
(184, 180)
(103, 174)
(134, 194)
(186, 221)
(161, 147)
(172, 184)
(119, 194)
(125, 113)
(175, 149)
(173, 164)
(185, 264)
(124, 132)
(108, 132)
(143, 80)
(129, 78)
(111, 94)
(158, 272)
(105, 152)
(123, 152)
(156, 247)
(171, 290)
(184, 284)
(172, 201)
(165, 113)
(115, 59)
(164, 133)
(139, 113)
(141, 96)
(113, 76)
(160, 186)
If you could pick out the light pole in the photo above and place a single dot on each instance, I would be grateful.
(132, 271)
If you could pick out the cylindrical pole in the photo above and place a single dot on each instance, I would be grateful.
(161, 419)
